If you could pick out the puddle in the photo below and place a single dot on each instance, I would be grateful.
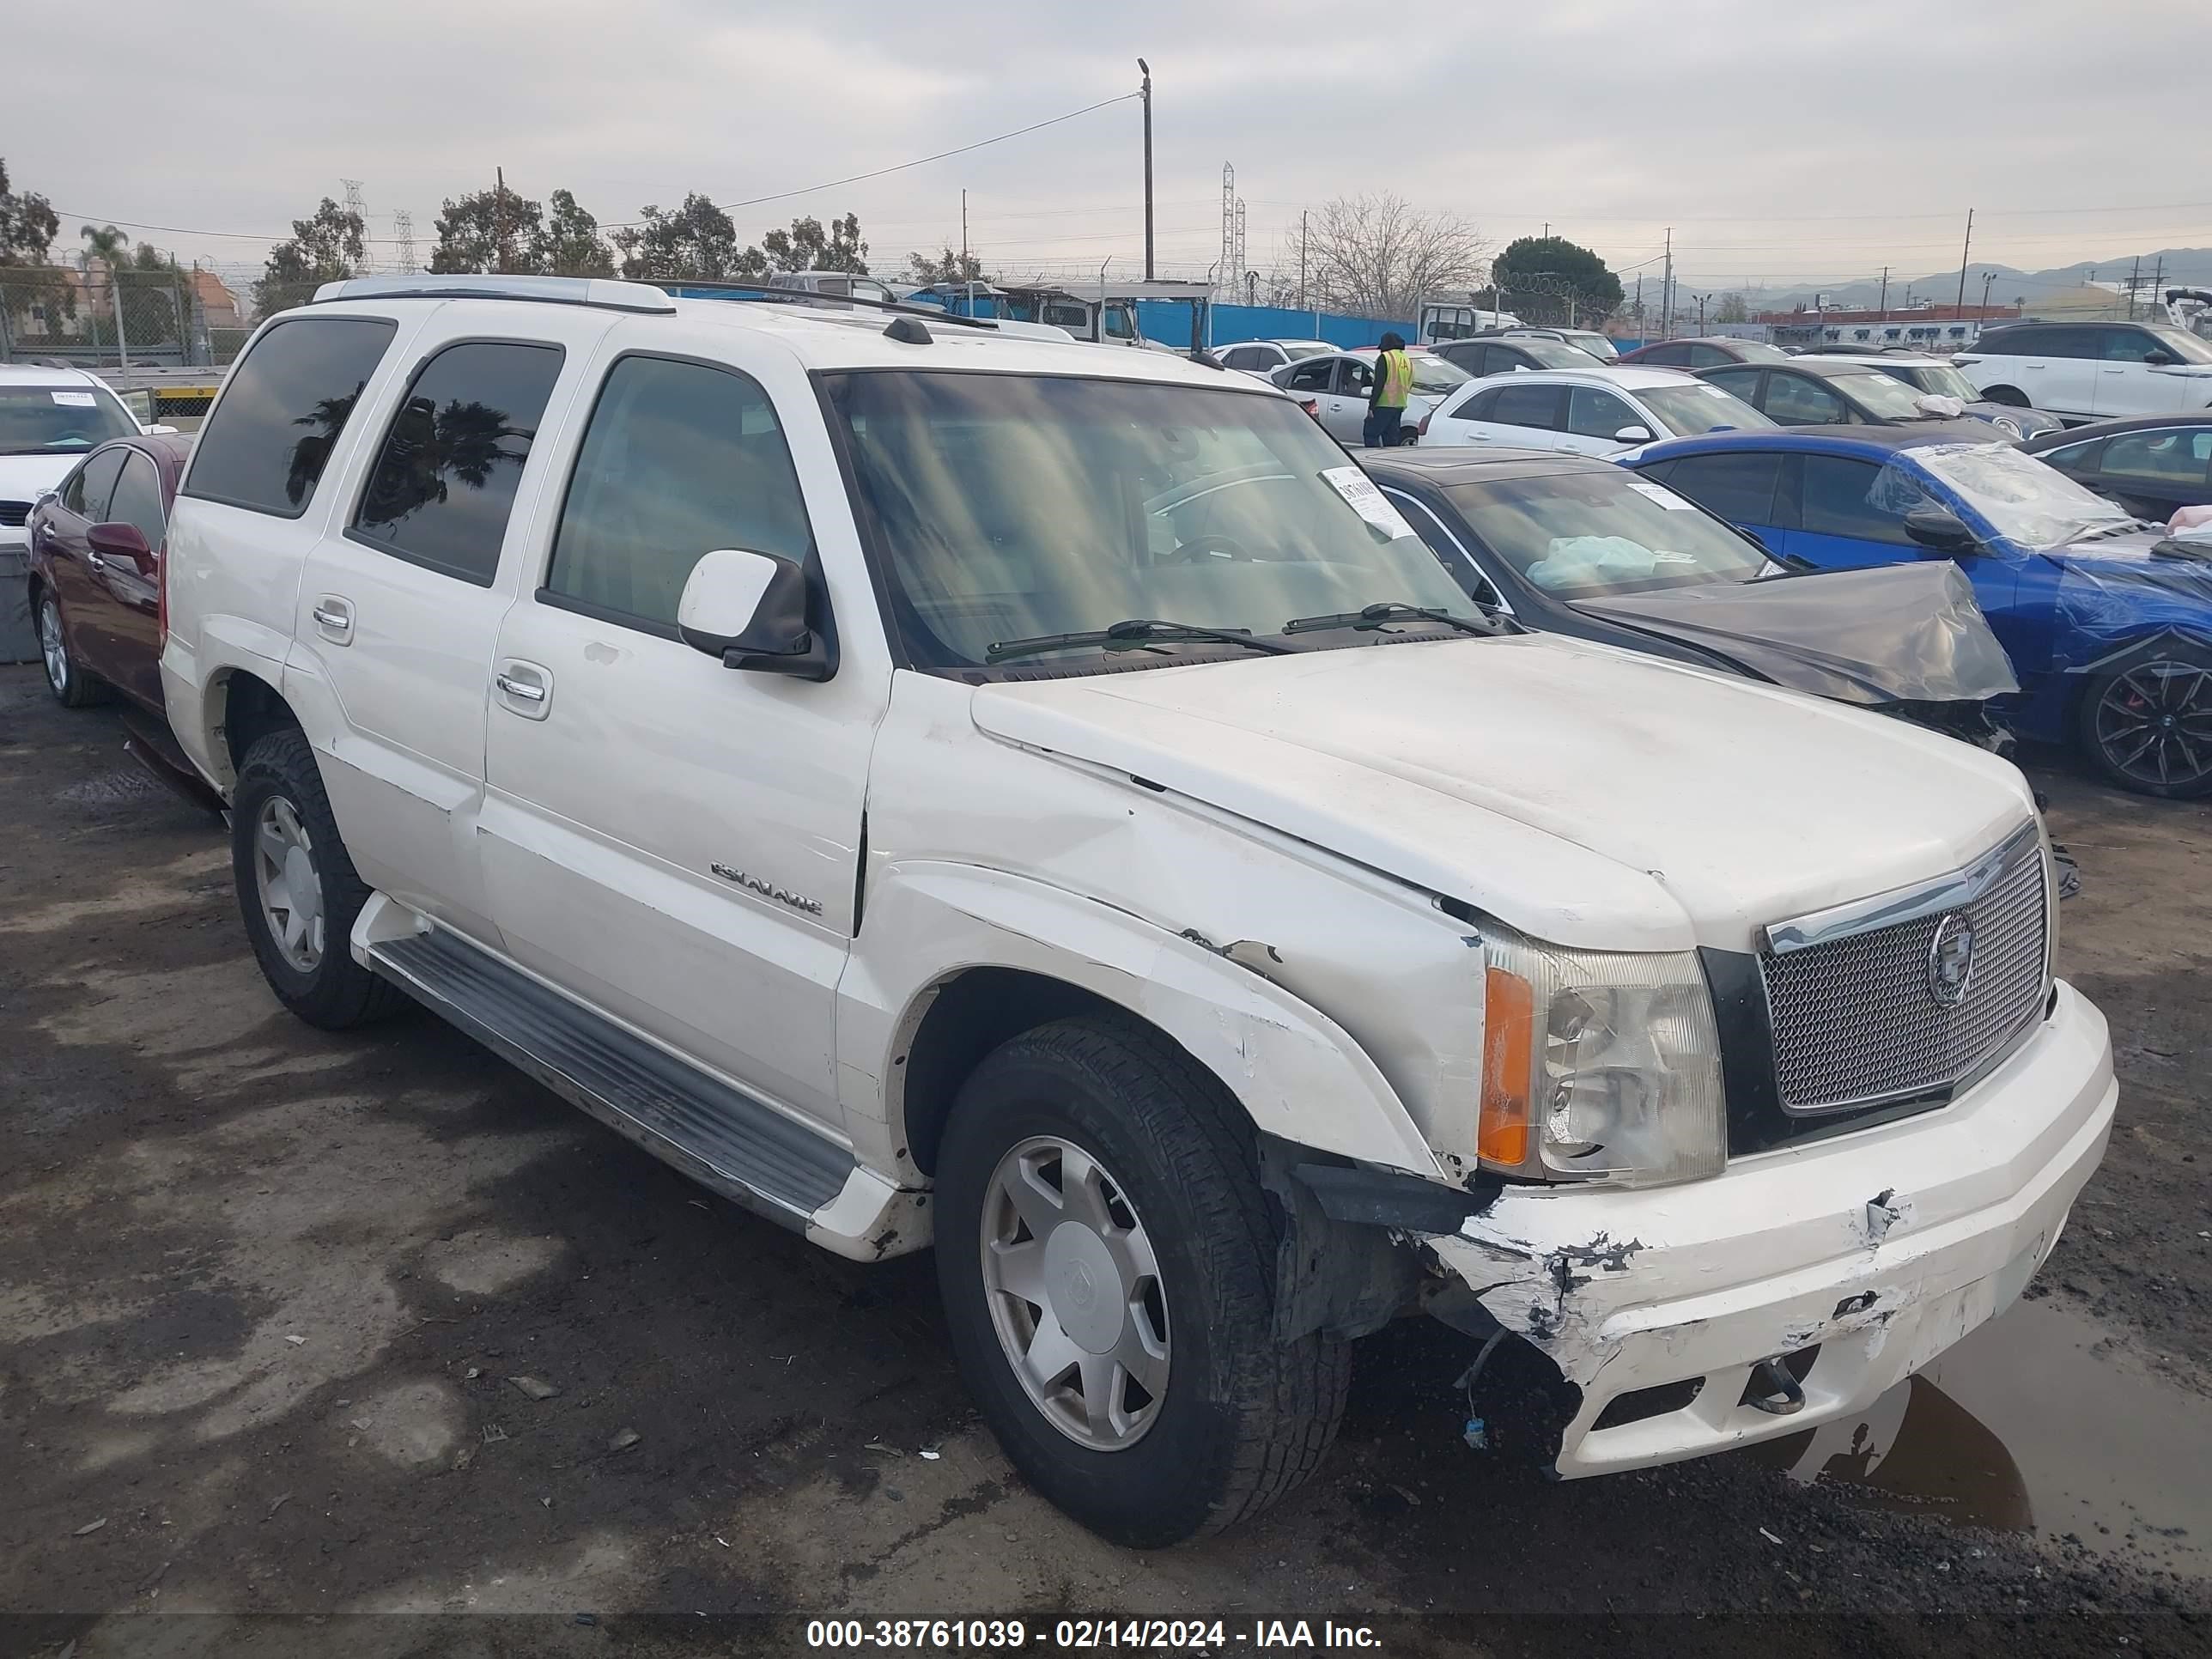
(2026, 1426)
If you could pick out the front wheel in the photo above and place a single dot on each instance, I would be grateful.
(1108, 1262)
(2149, 728)
(2011, 396)
(297, 888)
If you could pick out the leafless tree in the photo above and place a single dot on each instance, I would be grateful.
(1374, 256)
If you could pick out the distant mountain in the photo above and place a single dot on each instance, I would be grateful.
(2183, 267)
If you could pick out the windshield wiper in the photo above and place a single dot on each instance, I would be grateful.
(1133, 630)
(1374, 615)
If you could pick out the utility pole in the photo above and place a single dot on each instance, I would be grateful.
(1988, 278)
(1302, 260)
(498, 222)
(2158, 287)
(1147, 70)
(964, 233)
(1666, 291)
(2134, 282)
(1963, 252)
(1885, 294)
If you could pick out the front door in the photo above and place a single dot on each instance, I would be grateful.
(676, 840)
(1594, 416)
(133, 609)
(84, 599)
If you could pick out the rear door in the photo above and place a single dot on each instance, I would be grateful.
(1530, 417)
(1794, 399)
(133, 586)
(400, 603)
(1343, 411)
(2058, 368)
(1744, 381)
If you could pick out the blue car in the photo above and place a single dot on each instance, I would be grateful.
(2107, 619)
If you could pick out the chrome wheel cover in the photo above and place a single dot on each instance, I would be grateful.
(1075, 1293)
(289, 886)
(53, 647)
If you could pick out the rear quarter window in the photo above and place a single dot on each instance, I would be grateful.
(283, 411)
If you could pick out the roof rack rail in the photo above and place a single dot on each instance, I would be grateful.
(683, 288)
(598, 291)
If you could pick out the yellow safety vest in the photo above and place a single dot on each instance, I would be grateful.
(1397, 380)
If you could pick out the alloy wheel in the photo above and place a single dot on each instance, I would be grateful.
(289, 884)
(1075, 1293)
(53, 646)
(2154, 724)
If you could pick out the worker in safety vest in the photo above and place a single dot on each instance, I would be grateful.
(1393, 385)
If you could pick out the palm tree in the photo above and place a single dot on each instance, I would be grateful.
(112, 248)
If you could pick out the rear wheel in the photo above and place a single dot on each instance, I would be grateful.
(2149, 728)
(71, 686)
(1108, 1262)
(297, 888)
(2011, 395)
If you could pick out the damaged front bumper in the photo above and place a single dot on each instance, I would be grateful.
(1801, 1284)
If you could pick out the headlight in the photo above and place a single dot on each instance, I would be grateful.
(2006, 423)
(1598, 1065)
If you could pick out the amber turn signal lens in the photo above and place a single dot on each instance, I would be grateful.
(1509, 1028)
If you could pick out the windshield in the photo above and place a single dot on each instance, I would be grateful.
(1881, 395)
(1690, 410)
(1585, 535)
(59, 419)
(1936, 381)
(2184, 344)
(1597, 344)
(2026, 499)
(1297, 349)
(1758, 351)
(1007, 507)
(1433, 373)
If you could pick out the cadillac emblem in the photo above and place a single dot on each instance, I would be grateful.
(1950, 961)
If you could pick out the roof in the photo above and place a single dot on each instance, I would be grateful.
(37, 375)
(1870, 443)
(1821, 368)
(1884, 359)
(2186, 420)
(822, 336)
(1624, 377)
(1445, 463)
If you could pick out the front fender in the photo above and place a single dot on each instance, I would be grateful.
(1297, 1074)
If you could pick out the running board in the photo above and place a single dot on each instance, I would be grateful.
(725, 1138)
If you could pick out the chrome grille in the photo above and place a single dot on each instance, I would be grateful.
(1856, 1019)
(15, 514)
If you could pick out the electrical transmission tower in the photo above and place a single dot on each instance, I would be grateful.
(1235, 275)
(353, 205)
(1225, 272)
(403, 241)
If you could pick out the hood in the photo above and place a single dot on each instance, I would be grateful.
(1906, 633)
(1589, 795)
(2032, 422)
(2122, 595)
(27, 477)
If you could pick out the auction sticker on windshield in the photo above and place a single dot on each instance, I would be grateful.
(1666, 498)
(1360, 494)
(75, 399)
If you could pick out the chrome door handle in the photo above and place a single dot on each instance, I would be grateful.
(522, 689)
(95, 562)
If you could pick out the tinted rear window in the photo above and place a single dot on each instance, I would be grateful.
(281, 414)
(443, 481)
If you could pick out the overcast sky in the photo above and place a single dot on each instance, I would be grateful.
(1780, 141)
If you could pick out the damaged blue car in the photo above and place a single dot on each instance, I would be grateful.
(2106, 617)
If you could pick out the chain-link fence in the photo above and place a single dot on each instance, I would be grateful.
(92, 318)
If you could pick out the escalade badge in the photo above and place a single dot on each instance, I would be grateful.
(767, 890)
(1950, 961)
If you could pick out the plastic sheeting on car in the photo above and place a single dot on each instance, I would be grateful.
(1893, 634)
(2146, 597)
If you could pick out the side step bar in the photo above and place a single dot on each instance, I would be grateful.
(723, 1138)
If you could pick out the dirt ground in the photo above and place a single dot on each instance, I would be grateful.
(264, 1292)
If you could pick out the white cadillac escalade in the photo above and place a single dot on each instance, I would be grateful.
(941, 787)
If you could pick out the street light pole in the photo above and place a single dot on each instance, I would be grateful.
(1147, 70)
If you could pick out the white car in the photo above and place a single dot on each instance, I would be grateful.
(1593, 412)
(49, 419)
(1264, 357)
(2092, 371)
(1339, 384)
(932, 785)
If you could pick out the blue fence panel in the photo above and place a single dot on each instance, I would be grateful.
(1168, 322)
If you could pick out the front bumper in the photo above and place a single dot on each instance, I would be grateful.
(1874, 1251)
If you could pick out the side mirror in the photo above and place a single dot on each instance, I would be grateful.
(1632, 434)
(2160, 359)
(1940, 530)
(750, 610)
(120, 541)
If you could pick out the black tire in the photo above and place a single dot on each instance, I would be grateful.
(2120, 711)
(71, 686)
(1243, 1418)
(336, 992)
(2011, 396)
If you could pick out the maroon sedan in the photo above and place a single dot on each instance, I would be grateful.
(1709, 351)
(96, 571)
